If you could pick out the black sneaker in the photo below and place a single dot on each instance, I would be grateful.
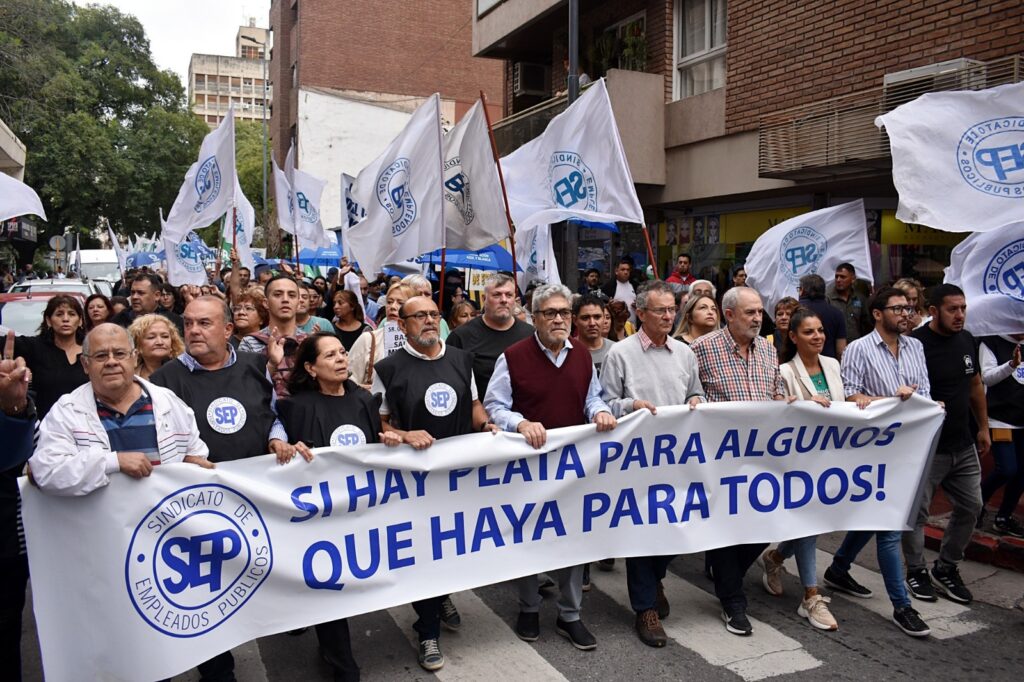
(737, 623)
(586, 577)
(528, 626)
(430, 656)
(606, 564)
(980, 523)
(450, 617)
(950, 584)
(908, 620)
(844, 582)
(577, 633)
(1007, 525)
(920, 585)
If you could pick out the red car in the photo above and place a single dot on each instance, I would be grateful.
(23, 311)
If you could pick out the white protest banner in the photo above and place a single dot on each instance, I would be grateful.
(536, 256)
(474, 209)
(208, 189)
(576, 169)
(394, 339)
(814, 242)
(190, 562)
(958, 158)
(18, 199)
(989, 267)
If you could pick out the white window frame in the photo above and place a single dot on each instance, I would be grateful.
(679, 62)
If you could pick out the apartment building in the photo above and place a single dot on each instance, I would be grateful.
(215, 81)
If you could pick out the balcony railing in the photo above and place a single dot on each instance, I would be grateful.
(838, 138)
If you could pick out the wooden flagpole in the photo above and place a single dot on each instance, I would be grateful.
(501, 178)
(650, 250)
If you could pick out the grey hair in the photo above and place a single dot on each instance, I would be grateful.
(498, 279)
(714, 290)
(731, 298)
(225, 307)
(106, 327)
(416, 281)
(543, 293)
(655, 286)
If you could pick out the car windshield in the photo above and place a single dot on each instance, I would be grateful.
(101, 271)
(24, 316)
(60, 285)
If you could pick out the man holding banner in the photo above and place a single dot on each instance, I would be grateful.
(539, 383)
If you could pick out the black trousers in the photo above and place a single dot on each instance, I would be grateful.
(336, 648)
(428, 625)
(220, 668)
(729, 565)
(13, 579)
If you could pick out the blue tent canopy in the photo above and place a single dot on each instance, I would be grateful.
(489, 258)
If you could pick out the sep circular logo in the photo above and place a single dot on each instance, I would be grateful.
(801, 250)
(990, 156)
(571, 182)
(1004, 274)
(394, 195)
(187, 254)
(1018, 374)
(456, 189)
(348, 435)
(207, 183)
(307, 211)
(196, 558)
(225, 415)
(440, 399)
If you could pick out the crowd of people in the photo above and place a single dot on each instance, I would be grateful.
(125, 384)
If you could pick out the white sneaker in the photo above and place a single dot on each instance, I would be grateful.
(815, 610)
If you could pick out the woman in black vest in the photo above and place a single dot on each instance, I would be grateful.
(327, 409)
(1002, 373)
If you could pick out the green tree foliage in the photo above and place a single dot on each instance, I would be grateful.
(108, 133)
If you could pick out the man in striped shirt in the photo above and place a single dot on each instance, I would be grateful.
(883, 364)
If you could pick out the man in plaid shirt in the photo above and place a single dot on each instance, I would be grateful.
(735, 363)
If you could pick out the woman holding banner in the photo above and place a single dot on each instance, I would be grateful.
(809, 375)
(327, 409)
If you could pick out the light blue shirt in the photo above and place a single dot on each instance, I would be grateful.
(868, 367)
(498, 399)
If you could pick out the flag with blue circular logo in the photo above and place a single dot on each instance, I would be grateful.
(989, 267)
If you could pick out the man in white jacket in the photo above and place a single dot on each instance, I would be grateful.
(117, 422)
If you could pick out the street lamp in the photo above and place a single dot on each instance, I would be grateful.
(264, 60)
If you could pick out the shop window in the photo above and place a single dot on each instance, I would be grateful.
(701, 41)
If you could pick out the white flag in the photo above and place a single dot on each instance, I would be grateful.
(474, 211)
(351, 211)
(402, 194)
(298, 195)
(118, 251)
(78, 255)
(17, 199)
(536, 256)
(207, 191)
(576, 169)
(989, 267)
(245, 224)
(812, 243)
(184, 261)
(958, 158)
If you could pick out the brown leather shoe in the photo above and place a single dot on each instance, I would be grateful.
(661, 602)
(648, 628)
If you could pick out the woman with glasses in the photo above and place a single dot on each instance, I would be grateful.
(369, 348)
(348, 318)
(327, 409)
(249, 313)
(156, 341)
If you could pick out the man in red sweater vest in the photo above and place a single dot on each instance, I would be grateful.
(539, 383)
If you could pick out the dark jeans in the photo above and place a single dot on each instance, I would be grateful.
(13, 578)
(220, 668)
(1009, 471)
(729, 565)
(336, 648)
(642, 576)
(428, 625)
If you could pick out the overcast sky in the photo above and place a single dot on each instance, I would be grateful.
(177, 28)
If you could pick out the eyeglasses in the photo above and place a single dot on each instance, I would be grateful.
(423, 315)
(671, 310)
(900, 309)
(102, 356)
(552, 313)
(243, 309)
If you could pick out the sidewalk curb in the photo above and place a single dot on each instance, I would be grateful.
(999, 550)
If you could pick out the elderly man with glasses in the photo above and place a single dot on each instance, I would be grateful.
(544, 382)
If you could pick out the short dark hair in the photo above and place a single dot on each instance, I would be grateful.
(688, 257)
(588, 299)
(848, 267)
(941, 292)
(881, 298)
(155, 281)
(278, 278)
(812, 286)
(590, 270)
(244, 268)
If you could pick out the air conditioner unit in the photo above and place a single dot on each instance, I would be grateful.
(956, 74)
(529, 79)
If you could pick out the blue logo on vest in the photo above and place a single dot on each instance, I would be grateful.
(347, 435)
(207, 183)
(187, 253)
(440, 399)
(571, 182)
(307, 211)
(456, 189)
(991, 156)
(1005, 272)
(196, 558)
(800, 252)
(226, 415)
(394, 195)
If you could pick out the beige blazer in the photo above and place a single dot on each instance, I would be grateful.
(798, 381)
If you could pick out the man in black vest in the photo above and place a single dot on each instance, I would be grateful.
(546, 382)
(429, 392)
(231, 397)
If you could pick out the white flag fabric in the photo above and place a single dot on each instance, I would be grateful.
(576, 169)
(77, 265)
(989, 267)
(401, 191)
(298, 213)
(245, 224)
(207, 192)
(350, 209)
(17, 199)
(958, 158)
(474, 210)
(122, 257)
(535, 253)
(184, 260)
(812, 243)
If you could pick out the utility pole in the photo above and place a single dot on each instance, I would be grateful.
(572, 238)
